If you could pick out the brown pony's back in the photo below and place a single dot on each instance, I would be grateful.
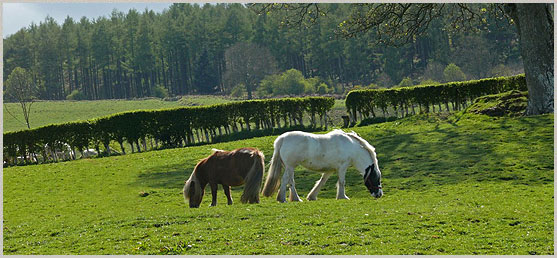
(229, 168)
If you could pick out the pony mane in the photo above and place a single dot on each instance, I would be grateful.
(192, 188)
(362, 142)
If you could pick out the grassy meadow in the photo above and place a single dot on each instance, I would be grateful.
(453, 184)
(55, 112)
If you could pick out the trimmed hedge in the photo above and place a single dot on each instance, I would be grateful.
(367, 102)
(173, 127)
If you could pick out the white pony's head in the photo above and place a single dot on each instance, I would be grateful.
(372, 180)
(371, 173)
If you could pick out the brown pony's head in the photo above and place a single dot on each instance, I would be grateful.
(193, 191)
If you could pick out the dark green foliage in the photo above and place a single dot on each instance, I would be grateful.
(127, 55)
(173, 127)
(366, 102)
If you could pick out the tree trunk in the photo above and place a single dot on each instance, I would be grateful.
(534, 23)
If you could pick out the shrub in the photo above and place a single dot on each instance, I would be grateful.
(76, 95)
(428, 82)
(500, 70)
(406, 82)
(292, 82)
(366, 102)
(453, 73)
(239, 91)
(160, 92)
(172, 127)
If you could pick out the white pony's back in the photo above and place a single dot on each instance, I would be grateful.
(318, 152)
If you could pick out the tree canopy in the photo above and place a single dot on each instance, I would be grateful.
(182, 51)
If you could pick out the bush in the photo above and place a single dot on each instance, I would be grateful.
(500, 70)
(239, 91)
(453, 73)
(406, 82)
(76, 95)
(428, 82)
(160, 92)
(367, 101)
(171, 127)
(292, 82)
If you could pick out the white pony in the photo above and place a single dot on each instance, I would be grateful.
(60, 151)
(325, 153)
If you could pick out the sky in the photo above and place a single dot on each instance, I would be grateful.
(19, 15)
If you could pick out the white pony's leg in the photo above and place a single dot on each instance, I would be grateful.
(293, 194)
(340, 184)
(281, 196)
(312, 196)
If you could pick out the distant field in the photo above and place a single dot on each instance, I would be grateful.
(453, 184)
(53, 112)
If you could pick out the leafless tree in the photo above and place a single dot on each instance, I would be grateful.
(247, 64)
(21, 88)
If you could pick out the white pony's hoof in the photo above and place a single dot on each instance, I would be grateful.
(311, 198)
(343, 198)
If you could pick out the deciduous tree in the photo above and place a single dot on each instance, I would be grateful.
(248, 63)
(21, 88)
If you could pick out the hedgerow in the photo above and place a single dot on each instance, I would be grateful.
(174, 127)
(405, 99)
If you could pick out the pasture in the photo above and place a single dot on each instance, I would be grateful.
(55, 112)
(453, 184)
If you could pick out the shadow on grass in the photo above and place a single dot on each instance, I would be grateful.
(167, 177)
(441, 154)
(451, 155)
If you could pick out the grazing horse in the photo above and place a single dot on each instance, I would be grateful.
(326, 153)
(228, 168)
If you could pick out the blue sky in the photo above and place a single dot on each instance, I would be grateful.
(18, 15)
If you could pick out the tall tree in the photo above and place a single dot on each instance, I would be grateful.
(401, 23)
(535, 28)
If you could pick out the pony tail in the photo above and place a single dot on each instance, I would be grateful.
(275, 169)
(253, 179)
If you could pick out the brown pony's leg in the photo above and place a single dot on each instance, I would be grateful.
(214, 188)
(227, 193)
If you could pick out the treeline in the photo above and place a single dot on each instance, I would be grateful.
(182, 51)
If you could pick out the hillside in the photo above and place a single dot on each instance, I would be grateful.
(55, 112)
(453, 184)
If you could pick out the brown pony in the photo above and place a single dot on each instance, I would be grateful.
(228, 168)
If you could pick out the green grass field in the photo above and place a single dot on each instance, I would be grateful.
(54, 112)
(453, 184)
